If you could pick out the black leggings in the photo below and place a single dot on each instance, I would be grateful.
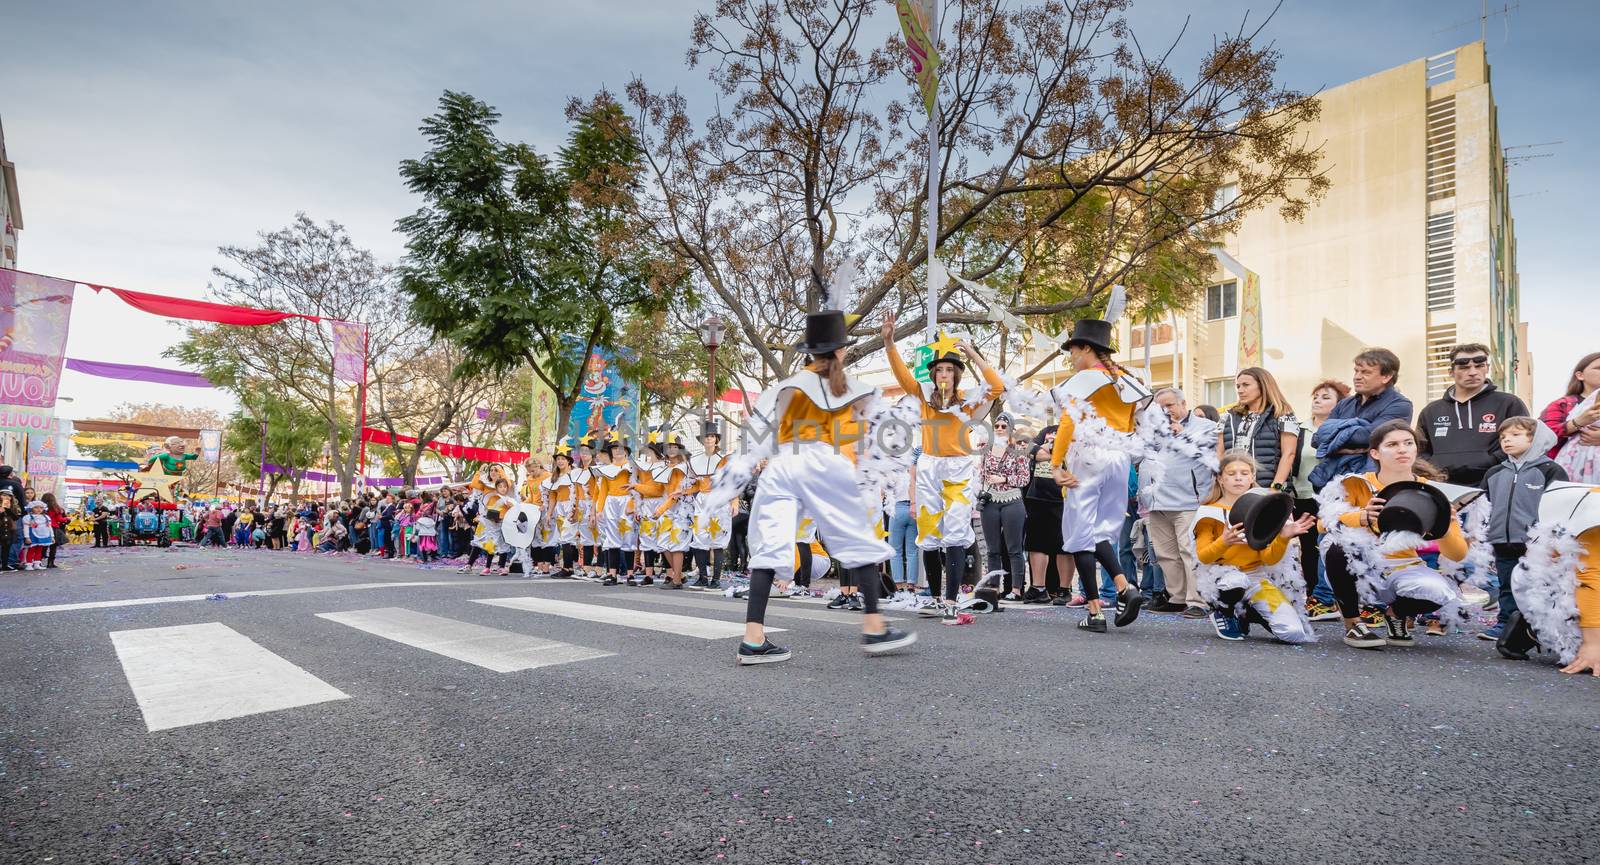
(1343, 581)
(1085, 560)
(946, 567)
(865, 577)
(712, 560)
(488, 558)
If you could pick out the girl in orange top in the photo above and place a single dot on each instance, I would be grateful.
(617, 531)
(1390, 574)
(1091, 456)
(675, 515)
(1557, 584)
(947, 469)
(813, 415)
(1240, 582)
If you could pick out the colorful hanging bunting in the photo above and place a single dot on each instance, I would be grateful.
(138, 429)
(135, 372)
(199, 310)
(455, 451)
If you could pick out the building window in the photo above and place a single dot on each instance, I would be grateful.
(1220, 393)
(1224, 197)
(1222, 301)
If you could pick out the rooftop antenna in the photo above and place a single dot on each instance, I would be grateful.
(1519, 158)
(1483, 20)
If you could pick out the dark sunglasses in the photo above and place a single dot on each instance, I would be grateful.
(1466, 362)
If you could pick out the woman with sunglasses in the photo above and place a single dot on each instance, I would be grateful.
(1460, 432)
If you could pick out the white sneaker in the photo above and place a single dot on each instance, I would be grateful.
(799, 592)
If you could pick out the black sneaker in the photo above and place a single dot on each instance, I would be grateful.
(1168, 607)
(670, 585)
(1062, 599)
(700, 583)
(1094, 624)
(1159, 599)
(1129, 601)
(766, 653)
(647, 581)
(610, 580)
(1035, 595)
(1517, 639)
(1363, 637)
(857, 605)
(839, 602)
(632, 581)
(714, 586)
(1399, 631)
(888, 641)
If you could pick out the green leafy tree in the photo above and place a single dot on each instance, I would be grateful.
(524, 260)
(295, 438)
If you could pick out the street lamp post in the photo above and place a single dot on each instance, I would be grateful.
(711, 337)
(261, 467)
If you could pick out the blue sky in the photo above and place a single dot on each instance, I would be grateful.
(146, 137)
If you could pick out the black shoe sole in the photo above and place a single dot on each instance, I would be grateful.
(887, 646)
(1517, 640)
(753, 660)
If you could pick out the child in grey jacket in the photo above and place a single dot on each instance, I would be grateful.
(1515, 487)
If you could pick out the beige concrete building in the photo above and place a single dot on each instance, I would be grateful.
(10, 207)
(1413, 249)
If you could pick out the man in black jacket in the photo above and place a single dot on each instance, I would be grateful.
(1459, 432)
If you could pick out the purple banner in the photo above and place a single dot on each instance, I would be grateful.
(349, 350)
(324, 477)
(135, 372)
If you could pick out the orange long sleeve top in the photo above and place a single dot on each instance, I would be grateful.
(1359, 491)
(1589, 580)
(1211, 549)
(805, 421)
(941, 430)
(1118, 415)
(648, 487)
(608, 487)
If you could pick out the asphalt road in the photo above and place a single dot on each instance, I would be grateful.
(1015, 739)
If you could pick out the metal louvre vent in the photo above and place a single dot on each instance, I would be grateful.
(1440, 340)
(1441, 68)
(1442, 148)
(1441, 269)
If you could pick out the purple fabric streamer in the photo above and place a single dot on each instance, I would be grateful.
(324, 477)
(135, 372)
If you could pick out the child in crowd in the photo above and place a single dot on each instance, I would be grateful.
(1515, 488)
(1240, 582)
(426, 530)
(37, 536)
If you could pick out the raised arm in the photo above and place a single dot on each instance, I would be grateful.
(897, 364)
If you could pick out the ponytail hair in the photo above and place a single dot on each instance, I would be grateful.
(1228, 459)
(1105, 360)
(830, 368)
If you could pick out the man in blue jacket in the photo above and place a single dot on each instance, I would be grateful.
(1341, 441)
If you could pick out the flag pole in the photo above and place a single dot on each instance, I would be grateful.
(933, 187)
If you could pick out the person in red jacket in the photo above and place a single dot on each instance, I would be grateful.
(58, 525)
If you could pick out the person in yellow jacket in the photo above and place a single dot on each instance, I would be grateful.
(1091, 455)
(1241, 583)
(814, 420)
(947, 482)
(1365, 565)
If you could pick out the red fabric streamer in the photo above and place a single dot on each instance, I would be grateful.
(199, 310)
(460, 452)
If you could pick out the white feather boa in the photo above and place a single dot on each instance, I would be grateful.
(1546, 586)
(1367, 552)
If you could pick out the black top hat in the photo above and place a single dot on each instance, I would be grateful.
(826, 332)
(950, 357)
(1093, 332)
(711, 428)
(1263, 513)
(1414, 506)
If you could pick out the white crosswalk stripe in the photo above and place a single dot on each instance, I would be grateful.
(779, 607)
(688, 626)
(193, 674)
(491, 648)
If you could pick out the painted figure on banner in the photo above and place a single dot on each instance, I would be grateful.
(605, 399)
